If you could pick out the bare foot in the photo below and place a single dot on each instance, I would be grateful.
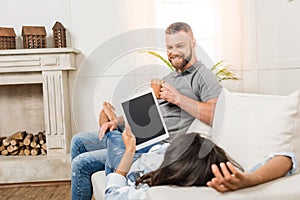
(109, 111)
(103, 118)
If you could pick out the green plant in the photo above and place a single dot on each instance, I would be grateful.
(160, 57)
(221, 70)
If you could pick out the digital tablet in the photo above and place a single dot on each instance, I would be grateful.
(142, 113)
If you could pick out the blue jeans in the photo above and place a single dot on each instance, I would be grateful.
(89, 155)
(116, 149)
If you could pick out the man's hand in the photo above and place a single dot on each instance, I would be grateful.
(112, 125)
(226, 181)
(170, 94)
(107, 119)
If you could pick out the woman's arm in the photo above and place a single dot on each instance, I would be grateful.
(130, 147)
(116, 183)
(276, 167)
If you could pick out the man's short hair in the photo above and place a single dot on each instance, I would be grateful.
(177, 27)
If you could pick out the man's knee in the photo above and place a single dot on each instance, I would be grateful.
(89, 162)
(75, 141)
(80, 163)
(76, 146)
(115, 138)
(77, 163)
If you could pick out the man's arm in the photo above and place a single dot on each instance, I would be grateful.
(202, 111)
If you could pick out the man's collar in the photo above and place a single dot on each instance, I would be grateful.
(186, 71)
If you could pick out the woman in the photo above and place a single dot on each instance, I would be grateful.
(190, 160)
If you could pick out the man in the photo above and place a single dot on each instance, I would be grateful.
(190, 92)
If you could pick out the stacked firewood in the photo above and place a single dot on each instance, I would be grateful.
(23, 143)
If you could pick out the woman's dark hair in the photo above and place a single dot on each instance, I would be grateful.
(187, 162)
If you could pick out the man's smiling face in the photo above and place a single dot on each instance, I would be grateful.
(179, 49)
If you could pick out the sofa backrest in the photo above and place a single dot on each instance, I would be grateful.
(251, 127)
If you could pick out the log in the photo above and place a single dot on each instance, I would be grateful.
(28, 139)
(14, 153)
(1, 139)
(27, 152)
(13, 139)
(42, 137)
(6, 141)
(12, 148)
(21, 144)
(35, 151)
(44, 146)
(19, 135)
(4, 152)
(34, 141)
(9, 148)
(21, 152)
(43, 152)
(14, 142)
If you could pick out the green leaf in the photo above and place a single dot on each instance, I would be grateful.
(161, 58)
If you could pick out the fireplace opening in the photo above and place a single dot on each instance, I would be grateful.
(22, 123)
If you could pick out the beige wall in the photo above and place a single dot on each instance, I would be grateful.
(260, 37)
(272, 54)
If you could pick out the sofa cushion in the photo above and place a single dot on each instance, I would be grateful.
(283, 188)
(252, 126)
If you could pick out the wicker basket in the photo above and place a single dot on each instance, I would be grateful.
(34, 37)
(7, 38)
(59, 35)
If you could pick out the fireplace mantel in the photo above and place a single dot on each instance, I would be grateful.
(49, 67)
(16, 63)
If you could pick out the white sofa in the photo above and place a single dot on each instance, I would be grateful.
(249, 127)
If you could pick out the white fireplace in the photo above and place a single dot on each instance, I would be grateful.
(44, 73)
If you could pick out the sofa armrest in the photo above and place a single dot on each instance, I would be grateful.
(98, 182)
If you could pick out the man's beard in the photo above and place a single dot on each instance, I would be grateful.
(181, 65)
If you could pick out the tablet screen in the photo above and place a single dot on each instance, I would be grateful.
(144, 118)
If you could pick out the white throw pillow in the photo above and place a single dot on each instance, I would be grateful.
(251, 126)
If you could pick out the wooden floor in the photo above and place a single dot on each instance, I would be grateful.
(49, 191)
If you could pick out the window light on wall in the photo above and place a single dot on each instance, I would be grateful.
(201, 15)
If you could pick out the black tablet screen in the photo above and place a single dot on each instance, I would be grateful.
(143, 117)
